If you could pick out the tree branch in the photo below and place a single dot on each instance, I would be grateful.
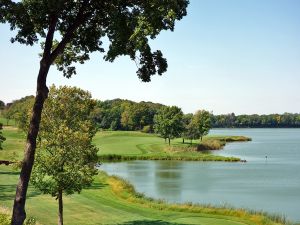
(80, 18)
(49, 39)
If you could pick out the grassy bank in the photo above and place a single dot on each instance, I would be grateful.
(112, 201)
(125, 145)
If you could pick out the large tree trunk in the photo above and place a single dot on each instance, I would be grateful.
(60, 208)
(19, 213)
(169, 142)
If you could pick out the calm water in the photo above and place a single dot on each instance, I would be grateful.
(271, 184)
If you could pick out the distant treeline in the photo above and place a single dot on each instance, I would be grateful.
(120, 114)
(286, 120)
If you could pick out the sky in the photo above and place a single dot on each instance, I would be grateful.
(224, 56)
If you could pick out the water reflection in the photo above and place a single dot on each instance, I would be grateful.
(168, 177)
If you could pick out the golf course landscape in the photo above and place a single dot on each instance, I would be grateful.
(111, 200)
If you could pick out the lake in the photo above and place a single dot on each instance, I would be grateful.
(269, 183)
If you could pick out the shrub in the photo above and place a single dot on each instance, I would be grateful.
(147, 129)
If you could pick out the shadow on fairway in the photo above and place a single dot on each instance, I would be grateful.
(96, 186)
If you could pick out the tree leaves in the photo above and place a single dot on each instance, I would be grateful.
(66, 158)
(80, 26)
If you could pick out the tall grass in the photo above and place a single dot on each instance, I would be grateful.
(125, 190)
(5, 217)
(199, 157)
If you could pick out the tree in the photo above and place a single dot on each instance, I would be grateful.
(19, 110)
(2, 105)
(186, 120)
(2, 138)
(69, 31)
(66, 159)
(168, 122)
(200, 124)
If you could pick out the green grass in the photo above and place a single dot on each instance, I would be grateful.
(127, 145)
(112, 201)
(13, 146)
(4, 121)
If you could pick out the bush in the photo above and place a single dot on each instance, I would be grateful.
(210, 145)
(147, 129)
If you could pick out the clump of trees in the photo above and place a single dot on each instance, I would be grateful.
(2, 105)
(168, 123)
(198, 126)
(285, 120)
(66, 158)
(119, 114)
(19, 111)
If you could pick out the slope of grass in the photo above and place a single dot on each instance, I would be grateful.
(126, 145)
(111, 201)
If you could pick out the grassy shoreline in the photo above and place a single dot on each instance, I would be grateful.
(113, 201)
(206, 158)
(126, 190)
(124, 146)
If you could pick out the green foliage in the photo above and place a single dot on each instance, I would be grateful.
(119, 114)
(2, 105)
(2, 138)
(5, 218)
(147, 129)
(168, 122)
(20, 111)
(256, 121)
(81, 25)
(200, 124)
(65, 160)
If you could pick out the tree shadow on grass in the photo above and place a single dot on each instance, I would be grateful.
(96, 186)
(9, 172)
(7, 192)
(150, 222)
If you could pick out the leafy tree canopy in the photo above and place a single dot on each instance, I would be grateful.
(168, 122)
(80, 26)
(200, 124)
(2, 105)
(66, 159)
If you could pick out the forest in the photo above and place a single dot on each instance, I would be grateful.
(121, 114)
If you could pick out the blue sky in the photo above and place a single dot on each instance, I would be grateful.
(225, 56)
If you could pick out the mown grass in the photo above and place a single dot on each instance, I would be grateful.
(126, 145)
(13, 146)
(113, 201)
(125, 190)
